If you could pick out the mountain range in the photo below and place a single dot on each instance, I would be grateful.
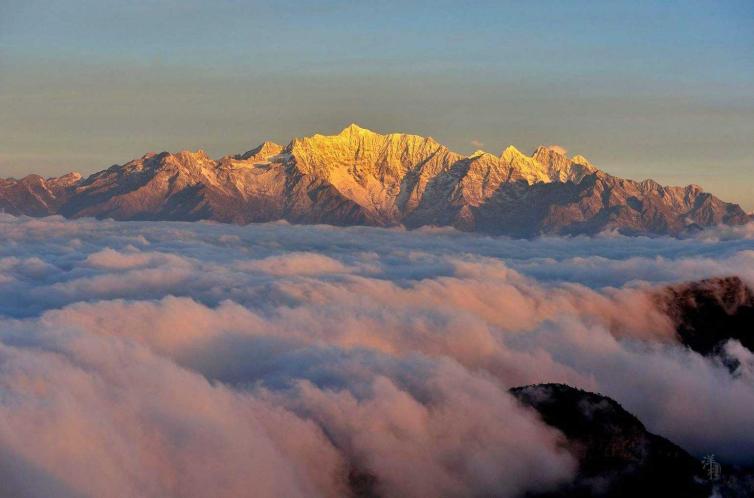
(359, 177)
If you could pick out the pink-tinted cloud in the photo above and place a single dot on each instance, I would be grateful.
(169, 359)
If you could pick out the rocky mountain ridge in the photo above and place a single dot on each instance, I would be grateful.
(618, 457)
(708, 313)
(359, 177)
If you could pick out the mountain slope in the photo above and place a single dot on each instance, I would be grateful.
(617, 456)
(708, 313)
(359, 177)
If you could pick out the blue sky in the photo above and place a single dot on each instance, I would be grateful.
(661, 89)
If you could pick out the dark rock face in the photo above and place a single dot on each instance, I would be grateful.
(617, 456)
(359, 177)
(362, 484)
(708, 313)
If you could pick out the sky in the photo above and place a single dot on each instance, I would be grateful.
(643, 89)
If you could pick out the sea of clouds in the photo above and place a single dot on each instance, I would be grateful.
(198, 359)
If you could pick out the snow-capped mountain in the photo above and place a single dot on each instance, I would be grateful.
(359, 177)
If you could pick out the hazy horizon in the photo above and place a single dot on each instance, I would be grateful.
(662, 91)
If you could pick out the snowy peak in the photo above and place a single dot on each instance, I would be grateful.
(384, 174)
(361, 150)
(539, 167)
(557, 167)
(261, 152)
(579, 159)
(188, 157)
(510, 153)
(355, 130)
(548, 150)
(361, 177)
(66, 180)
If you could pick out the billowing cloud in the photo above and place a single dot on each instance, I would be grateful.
(177, 359)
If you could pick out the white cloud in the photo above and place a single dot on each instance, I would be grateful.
(165, 359)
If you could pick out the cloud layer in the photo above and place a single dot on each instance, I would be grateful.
(174, 359)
